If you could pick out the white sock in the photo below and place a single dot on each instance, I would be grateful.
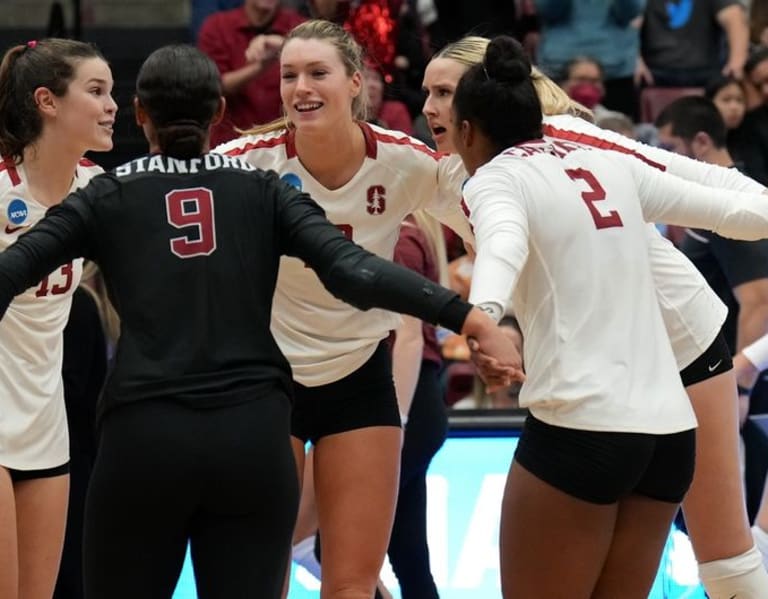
(761, 541)
(303, 553)
(740, 577)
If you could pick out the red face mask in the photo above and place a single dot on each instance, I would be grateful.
(587, 94)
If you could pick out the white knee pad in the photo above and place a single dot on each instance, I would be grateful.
(739, 577)
(303, 553)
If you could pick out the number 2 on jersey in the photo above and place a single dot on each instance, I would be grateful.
(596, 193)
(192, 208)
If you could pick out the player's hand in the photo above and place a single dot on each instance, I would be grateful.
(495, 375)
(494, 354)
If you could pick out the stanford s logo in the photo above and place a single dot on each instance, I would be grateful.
(377, 201)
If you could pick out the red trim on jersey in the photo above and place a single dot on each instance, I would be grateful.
(258, 145)
(290, 144)
(85, 162)
(8, 165)
(371, 147)
(596, 142)
(405, 140)
(372, 139)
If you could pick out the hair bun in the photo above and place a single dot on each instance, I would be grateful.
(505, 60)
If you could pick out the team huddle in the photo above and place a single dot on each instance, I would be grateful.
(256, 291)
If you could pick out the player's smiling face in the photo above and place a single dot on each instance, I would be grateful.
(85, 115)
(315, 87)
(440, 80)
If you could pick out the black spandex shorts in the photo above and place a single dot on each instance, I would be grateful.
(604, 467)
(715, 360)
(362, 399)
(17, 475)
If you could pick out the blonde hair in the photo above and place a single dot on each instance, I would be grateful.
(433, 231)
(351, 55)
(470, 51)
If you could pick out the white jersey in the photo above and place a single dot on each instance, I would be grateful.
(693, 314)
(323, 338)
(33, 421)
(597, 353)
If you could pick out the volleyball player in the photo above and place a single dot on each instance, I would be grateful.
(367, 179)
(55, 104)
(607, 452)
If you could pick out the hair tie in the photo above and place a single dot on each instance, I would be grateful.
(31, 44)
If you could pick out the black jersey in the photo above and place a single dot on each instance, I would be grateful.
(189, 250)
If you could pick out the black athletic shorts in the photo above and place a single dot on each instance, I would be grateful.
(715, 360)
(17, 475)
(604, 467)
(362, 399)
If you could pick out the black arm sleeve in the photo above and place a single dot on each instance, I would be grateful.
(55, 240)
(357, 276)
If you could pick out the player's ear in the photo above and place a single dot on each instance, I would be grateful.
(701, 144)
(140, 114)
(45, 100)
(467, 132)
(219, 114)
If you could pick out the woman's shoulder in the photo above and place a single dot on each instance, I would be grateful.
(251, 142)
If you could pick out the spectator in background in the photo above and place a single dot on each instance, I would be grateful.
(758, 22)
(202, 9)
(583, 81)
(244, 43)
(390, 114)
(756, 119)
(680, 43)
(728, 96)
(581, 27)
(488, 18)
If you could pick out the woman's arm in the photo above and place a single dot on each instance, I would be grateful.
(570, 128)
(57, 239)
(669, 199)
(366, 281)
